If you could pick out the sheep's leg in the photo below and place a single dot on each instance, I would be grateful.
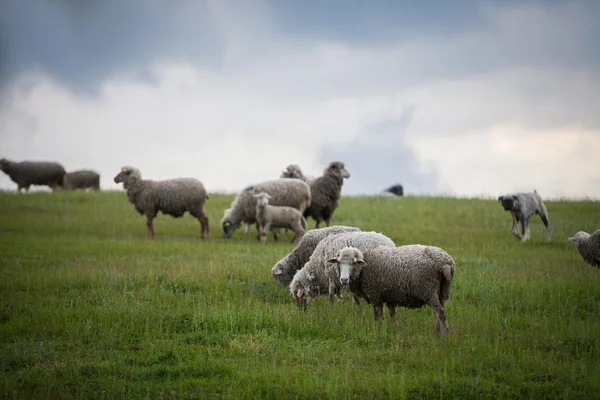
(392, 310)
(263, 233)
(204, 227)
(515, 226)
(332, 293)
(149, 224)
(327, 220)
(355, 300)
(440, 314)
(526, 229)
(378, 309)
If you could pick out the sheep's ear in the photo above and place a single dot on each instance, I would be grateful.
(332, 260)
(278, 272)
(124, 169)
(293, 173)
(515, 197)
(226, 223)
(362, 263)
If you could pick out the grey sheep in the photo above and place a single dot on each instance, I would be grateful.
(283, 271)
(406, 276)
(294, 171)
(81, 179)
(172, 197)
(315, 279)
(284, 192)
(326, 191)
(588, 246)
(522, 207)
(269, 216)
(27, 173)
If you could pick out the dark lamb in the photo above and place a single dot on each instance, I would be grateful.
(81, 179)
(326, 191)
(27, 173)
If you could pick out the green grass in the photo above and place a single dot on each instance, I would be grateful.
(89, 308)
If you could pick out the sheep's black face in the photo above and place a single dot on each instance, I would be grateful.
(338, 168)
(228, 229)
(4, 164)
(508, 202)
(122, 175)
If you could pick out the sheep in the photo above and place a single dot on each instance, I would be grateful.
(284, 192)
(294, 171)
(522, 207)
(172, 196)
(408, 276)
(268, 216)
(326, 191)
(588, 246)
(81, 179)
(27, 173)
(314, 279)
(283, 271)
(397, 190)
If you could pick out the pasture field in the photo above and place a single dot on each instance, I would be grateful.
(90, 308)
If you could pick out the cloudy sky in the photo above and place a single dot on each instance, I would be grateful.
(465, 98)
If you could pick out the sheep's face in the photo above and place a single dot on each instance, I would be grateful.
(4, 163)
(302, 295)
(277, 274)
(509, 202)
(124, 174)
(262, 198)
(347, 259)
(229, 227)
(579, 236)
(338, 168)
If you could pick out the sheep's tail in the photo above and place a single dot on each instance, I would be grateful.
(448, 276)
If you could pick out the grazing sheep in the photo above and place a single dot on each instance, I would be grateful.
(284, 192)
(269, 216)
(398, 190)
(326, 191)
(82, 179)
(588, 246)
(522, 207)
(407, 276)
(27, 173)
(315, 279)
(283, 271)
(172, 196)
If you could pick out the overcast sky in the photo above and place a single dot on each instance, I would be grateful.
(462, 98)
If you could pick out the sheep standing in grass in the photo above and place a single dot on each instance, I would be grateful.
(314, 279)
(82, 179)
(588, 246)
(27, 173)
(326, 191)
(283, 271)
(268, 216)
(522, 207)
(407, 276)
(284, 192)
(172, 196)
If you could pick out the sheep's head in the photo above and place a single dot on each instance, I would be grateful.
(348, 259)
(509, 202)
(4, 164)
(337, 168)
(579, 236)
(292, 171)
(262, 198)
(302, 294)
(229, 225)
(127, 172)
(277, 273)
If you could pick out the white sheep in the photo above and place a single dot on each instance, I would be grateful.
(588, 246)
(407, 276)
(268, 216)
(313, 280)
(283, 271)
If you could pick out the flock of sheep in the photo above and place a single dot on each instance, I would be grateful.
(324, 260)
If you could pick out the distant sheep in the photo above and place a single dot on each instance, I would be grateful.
(407, 276)
(269, 216)
(283, 271)
(284, 192)
(294, 171)
(398, 190)
(172, 197)
(326, 191)
(588, 246)
(27, 173)
(314, 279)
(522, 207)
(82, 179)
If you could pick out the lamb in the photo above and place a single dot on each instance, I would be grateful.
(326, 191)
(522, 207)
(283, 271)
(407, 276)
(172, 196)
(27, 173)
(588, 246)
(284, 192)
(81, 179)
(269, 216)
(314, 279)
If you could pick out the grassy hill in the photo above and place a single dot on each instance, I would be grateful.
(89, 308)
